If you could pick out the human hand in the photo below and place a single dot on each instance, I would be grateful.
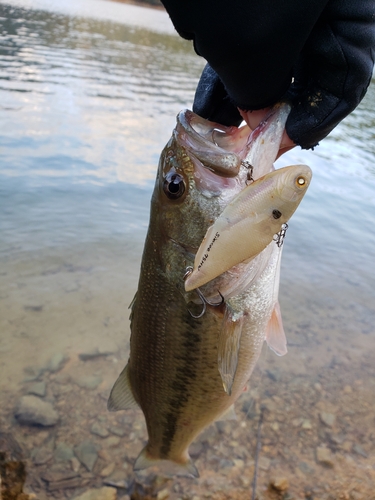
(331, 74)
(253, 119)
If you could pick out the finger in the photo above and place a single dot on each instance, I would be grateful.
(253, 118)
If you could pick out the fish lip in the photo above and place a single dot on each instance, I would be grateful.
(197, 136)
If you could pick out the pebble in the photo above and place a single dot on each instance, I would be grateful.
(163, 494)
(57, 361)
(42, 456)
(33, 373)
(105, 493)
(118, 431)
(38, 389)
(264, 463)
(112, 441)
(196, 449)
(305, 468)
(62, 378)
(75, 464)
(97, 352)
(31, 410)
(325, 456)
(98, 430)
(117, 481)
(357, 448)
(328, 419)
(274, 374)
(223, 426)
(306, 425)
(87, 454)
(107, 471)
(63, 453)
(279, 483)
(88, 381)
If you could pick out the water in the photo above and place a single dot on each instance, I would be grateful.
(89, 91)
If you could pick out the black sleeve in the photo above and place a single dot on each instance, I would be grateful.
(251, 44)
(333, 71)
(255, 49)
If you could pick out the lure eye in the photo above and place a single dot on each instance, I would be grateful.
(300, 181)
(276, 214)
(174, 186)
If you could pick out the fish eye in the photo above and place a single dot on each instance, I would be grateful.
(276, 214)
(300, 181)
(174, 186)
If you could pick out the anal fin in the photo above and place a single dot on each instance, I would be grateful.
(121, 397)
(275, 335)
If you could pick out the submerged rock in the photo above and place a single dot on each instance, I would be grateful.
(31, 410)
(105, 493)
(88, 381)
(57, 361)
(98, 430)
(38, 389)
(87, 454)
(328, 419)
(324, 456)
(63, 453)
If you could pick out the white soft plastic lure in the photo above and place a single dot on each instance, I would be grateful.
(248, 224)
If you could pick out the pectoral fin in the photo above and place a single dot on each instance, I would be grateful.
(275, 335)
(121, 397)
(228, 347)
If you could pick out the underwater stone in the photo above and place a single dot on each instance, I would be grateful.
(57, 361)
(324, 456)
(328, 419)
(88, 381)
(105, 493)
(98, 430)
(38, 389)
(87, 454)
(31, 410)
(63, 453)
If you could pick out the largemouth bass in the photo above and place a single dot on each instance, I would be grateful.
(192, 353)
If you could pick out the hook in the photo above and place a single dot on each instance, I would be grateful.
(279, 237)
(250, 170)
(204, 301)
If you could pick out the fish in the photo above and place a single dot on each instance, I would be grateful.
(192, 352)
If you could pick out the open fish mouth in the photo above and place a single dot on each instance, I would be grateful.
(219, 148)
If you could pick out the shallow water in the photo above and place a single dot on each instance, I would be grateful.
(89, 92)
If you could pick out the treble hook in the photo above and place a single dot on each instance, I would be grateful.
(250, 170)
(204, 301)
(279, 237)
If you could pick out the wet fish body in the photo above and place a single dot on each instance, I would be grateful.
(186, 369)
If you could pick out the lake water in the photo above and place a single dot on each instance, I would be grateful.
(89, 91)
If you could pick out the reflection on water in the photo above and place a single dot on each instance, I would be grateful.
(89, 91)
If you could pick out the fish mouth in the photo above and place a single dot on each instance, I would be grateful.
(218, 148)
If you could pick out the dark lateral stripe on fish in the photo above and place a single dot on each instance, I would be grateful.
(185, 374)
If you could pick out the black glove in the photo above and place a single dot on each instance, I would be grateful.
(257, 47)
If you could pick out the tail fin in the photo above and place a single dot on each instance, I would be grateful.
(166, 467)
